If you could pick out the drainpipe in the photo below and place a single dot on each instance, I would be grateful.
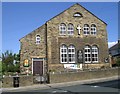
(47, 70)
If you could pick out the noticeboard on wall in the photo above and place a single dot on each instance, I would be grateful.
(73, 66)
(26, 63)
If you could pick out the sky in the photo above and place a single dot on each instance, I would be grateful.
(20, 18)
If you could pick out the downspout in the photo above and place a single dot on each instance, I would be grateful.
(47, 70)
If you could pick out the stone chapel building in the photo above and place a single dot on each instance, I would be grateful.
(74, 39)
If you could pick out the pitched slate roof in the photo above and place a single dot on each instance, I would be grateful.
(115, 50)
(116, 46)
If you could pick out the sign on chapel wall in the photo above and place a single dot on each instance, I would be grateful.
(73, 66)
(26, 63)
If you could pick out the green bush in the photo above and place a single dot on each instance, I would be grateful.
(10, 62)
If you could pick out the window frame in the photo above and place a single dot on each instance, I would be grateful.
(71, 54)
(70, 29)
(61, 30)
(95, 52)
(77, 14)
(87, 54)
(63, 47)
(38, 39)
(93, 29)
(86, 29)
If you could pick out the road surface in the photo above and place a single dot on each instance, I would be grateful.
(108, 87)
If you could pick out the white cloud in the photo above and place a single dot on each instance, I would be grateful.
(110, 44)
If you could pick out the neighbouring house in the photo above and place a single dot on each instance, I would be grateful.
(114, 52)
(74, 39)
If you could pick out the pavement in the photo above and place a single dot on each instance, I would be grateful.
(48, 86)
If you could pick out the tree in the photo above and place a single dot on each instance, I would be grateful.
(10, 62)
(7, 58)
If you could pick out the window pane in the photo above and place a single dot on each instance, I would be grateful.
(87, 54)
(93, 29)
(65, 59)
(62, 28)
(63, 52)
(71, 54)
(86, 29)
(70, 29)
(94, 54)
(38, 39)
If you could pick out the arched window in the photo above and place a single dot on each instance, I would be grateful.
(71, 54)
(94, 54)
(77, 14)
(62, 29)
(38, 39)
(63, 54)
(70, 29)
(93, 29)
(86, 29)
(87, 53)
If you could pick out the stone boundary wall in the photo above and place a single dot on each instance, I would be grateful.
(62, 77)
(82, 75)
(23, 81)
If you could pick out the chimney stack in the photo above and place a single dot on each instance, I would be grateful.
(118, 40)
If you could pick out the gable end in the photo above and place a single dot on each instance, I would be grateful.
(83, 8)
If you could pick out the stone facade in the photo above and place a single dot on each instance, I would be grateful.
(30, 50)
(51, 40)
(55, 40)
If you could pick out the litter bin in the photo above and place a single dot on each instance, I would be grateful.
(15, 81)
